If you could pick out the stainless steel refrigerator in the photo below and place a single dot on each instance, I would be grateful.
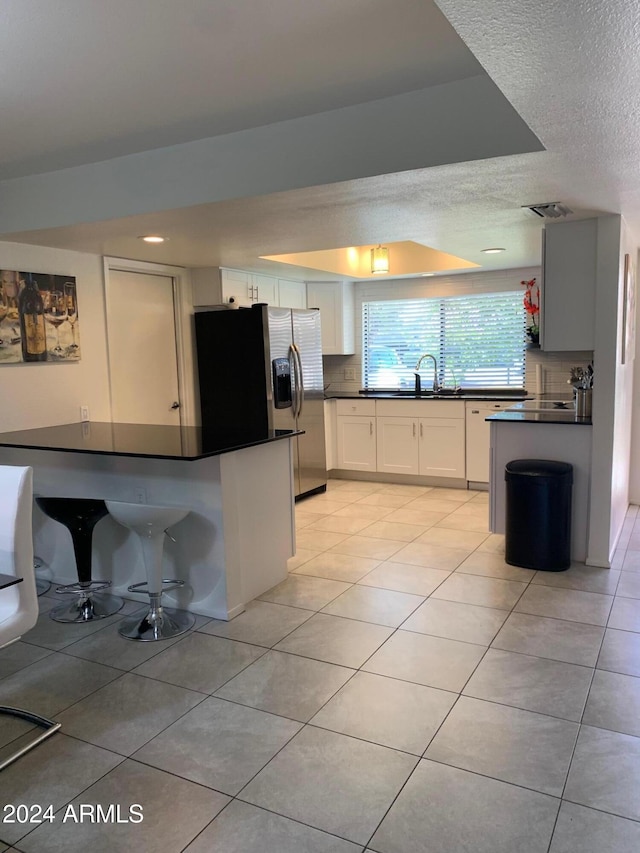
(261, 368)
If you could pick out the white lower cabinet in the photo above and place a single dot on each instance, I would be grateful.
(398, 445)
(356, 435)
(433, 447)
(442, 447)
(356, 443)
(394, 437)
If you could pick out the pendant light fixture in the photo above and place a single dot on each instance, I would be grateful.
(379, 260)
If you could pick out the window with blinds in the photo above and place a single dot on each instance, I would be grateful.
(478, 341)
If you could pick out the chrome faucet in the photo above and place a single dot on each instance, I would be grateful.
(436, 384)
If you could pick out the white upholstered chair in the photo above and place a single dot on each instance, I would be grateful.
(18, 597)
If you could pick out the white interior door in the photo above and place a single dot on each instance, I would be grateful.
(143, 365)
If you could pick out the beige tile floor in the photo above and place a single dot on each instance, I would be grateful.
(404, 691)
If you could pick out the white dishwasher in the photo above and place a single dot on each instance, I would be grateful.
(477, 436)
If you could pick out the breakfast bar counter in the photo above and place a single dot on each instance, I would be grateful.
(232, 546)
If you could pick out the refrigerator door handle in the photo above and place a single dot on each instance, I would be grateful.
(300, 380)
(295, 396)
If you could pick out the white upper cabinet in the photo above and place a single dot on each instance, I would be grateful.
(569, 286)
(336, 302)
(265, 289)
(215, 286)
(206, 285)
(237, 287)
(292, 294)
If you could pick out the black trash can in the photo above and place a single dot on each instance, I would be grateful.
(538, 514)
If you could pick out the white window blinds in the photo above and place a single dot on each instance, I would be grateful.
(478, 341)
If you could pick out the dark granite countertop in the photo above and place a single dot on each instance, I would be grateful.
(398, 395)
(556, 416)
(154, 441)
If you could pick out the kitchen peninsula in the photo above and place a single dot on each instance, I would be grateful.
(233, 545)
(558, 435)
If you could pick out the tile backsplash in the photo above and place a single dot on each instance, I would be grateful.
(551, 369)
(334, 367)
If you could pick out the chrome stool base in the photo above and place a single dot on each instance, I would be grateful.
(42, 586)
(86, 608)
(158, 623)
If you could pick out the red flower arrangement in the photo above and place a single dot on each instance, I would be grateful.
(532, 307)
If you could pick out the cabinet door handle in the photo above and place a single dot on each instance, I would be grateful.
(420, 430)
(414, 429)
(370, 427)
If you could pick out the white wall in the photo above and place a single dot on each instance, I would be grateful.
(33, 395)
(623, 418)
(613, 386)
(634, 474)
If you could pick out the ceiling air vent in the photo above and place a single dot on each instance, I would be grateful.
(552, 210)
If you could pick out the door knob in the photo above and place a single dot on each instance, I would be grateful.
(176, 405)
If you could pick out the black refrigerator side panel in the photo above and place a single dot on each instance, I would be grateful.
(233, 363)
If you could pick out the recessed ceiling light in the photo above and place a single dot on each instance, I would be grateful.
(494, 251)
(152, 238)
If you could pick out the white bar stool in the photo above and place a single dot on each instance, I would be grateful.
(150, 523)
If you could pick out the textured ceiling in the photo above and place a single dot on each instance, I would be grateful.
(88, 80)
(572, 71)
(573, 78)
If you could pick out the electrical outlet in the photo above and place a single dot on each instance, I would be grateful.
(84, 413)
(141, 495)
(350, 374)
